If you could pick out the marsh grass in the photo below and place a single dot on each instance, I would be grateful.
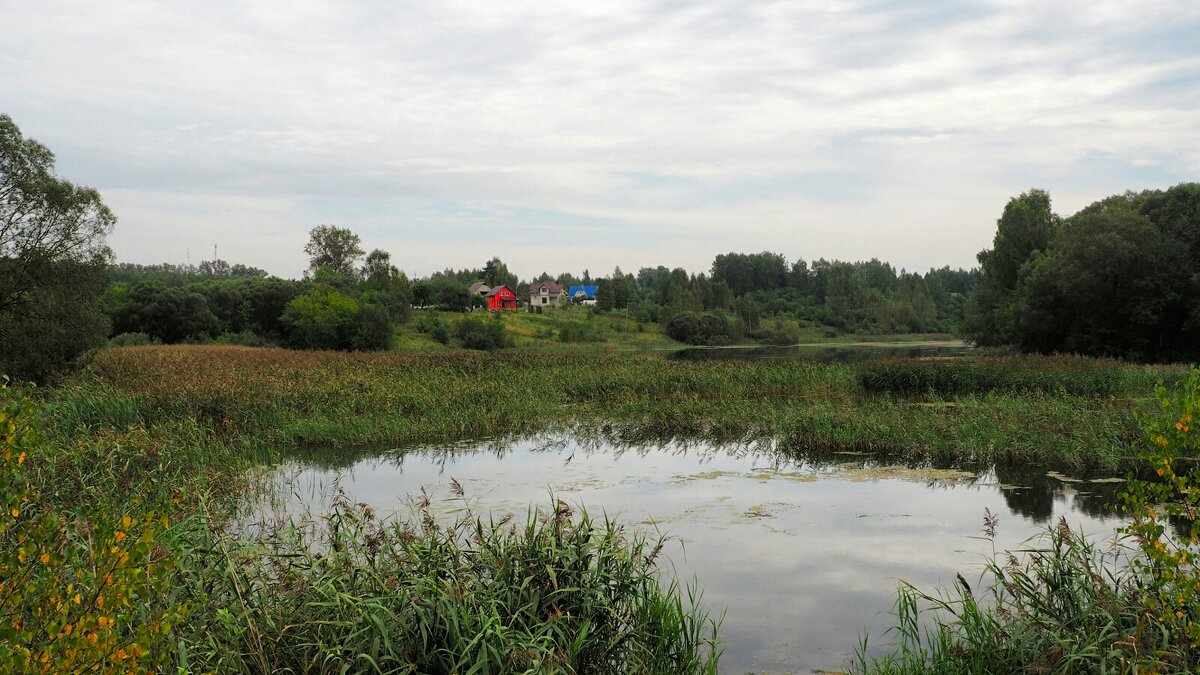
(559, 592)
(1060, 605)
(1051, 410)
(1046, 375)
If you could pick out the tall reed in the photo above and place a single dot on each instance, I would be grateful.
(557, 593)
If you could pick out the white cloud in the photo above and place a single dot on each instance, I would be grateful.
(635, 132)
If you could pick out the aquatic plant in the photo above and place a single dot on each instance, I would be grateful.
(286, 398)
(557, 593)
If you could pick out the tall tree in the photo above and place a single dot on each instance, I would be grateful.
(51, 233)
(1023, 232)
(495, 273)
(334, 247)
(388, 285)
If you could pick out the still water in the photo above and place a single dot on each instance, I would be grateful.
(803, 556)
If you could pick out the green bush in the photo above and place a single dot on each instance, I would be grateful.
(699, 328)
(571, 331)
(242, 338)
(431, 324)
(77, 593)
(1166, 512)
(481, 333)
(324, 318)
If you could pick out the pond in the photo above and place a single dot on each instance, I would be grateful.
(827, 352)
(802, 555)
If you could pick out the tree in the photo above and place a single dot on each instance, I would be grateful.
(495, 273)
(63, 319)
(166, 313)
(334, 247)
(52, 240)
(215, 268)
(1023, 232)
(1103, 289)
(388, 285)
(378, 269)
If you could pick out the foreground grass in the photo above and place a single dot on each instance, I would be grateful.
(1064, 411)
(1060, 605)
(120, 562)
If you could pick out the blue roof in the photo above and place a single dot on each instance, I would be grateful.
(589, 291)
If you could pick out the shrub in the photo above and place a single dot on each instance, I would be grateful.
(481, 333)
(324, 318)
(243, 338)
(431, 324)
(698, 328)
(75, 595)
(570, 331)
(1166, 512)
(372, 329)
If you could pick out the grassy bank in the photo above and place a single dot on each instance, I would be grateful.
(1063, 411)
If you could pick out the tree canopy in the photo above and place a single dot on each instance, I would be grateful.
(334, 247)
(1119, 278)
(52, 245)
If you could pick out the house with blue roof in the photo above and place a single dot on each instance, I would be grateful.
(583, 295)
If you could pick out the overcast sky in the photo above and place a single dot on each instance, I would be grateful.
(570, 135)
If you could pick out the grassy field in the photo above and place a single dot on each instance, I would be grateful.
(569, 329)
(612, 332)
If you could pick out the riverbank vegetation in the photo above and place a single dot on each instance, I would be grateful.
(1067, 605)
(1048, 410)
(1118, 278)
(123, 548)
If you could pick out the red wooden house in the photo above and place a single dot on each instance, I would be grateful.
(501, 299)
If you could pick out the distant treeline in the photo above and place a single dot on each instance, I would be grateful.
(757, 296)
(1119, 278)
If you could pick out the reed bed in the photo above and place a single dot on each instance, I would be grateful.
(1063, 604)
(558, 592)
(1070, 412)
(1048, 375)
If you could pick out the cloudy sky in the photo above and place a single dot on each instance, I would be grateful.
(570, 135)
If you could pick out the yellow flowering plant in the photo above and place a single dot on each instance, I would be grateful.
(1165, 512)
(78, 592)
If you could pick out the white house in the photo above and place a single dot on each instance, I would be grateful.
(546, 294)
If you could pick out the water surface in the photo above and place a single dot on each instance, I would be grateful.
(802, 555)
